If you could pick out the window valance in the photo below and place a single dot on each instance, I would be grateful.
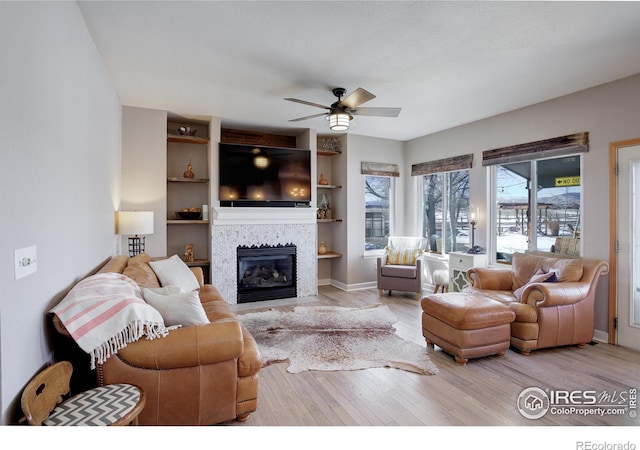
(547, 148)
(443, 165)
(379, 169)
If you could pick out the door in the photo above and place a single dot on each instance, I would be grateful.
(627, 273)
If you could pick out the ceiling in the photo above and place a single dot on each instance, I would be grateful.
(444, 63)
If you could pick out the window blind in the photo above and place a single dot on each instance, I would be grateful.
(547, 148)
(443, 165)
(379, 169)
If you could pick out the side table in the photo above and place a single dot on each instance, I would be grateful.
(458, 264)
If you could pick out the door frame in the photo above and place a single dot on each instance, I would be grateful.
(613, 234)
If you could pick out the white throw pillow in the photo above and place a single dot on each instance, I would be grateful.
(167, 290)
(174, 272)
(177, 309)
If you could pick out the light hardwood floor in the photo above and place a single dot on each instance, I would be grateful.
(482, 392)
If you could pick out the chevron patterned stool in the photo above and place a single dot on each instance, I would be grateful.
(113, 404)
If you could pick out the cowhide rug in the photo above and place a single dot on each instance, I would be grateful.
(335, 338)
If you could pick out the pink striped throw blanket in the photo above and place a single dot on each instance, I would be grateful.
(105, 312)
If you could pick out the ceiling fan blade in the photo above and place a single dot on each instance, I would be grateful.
(304, 102)
(381, 112)
(357, 98)
(308, 117)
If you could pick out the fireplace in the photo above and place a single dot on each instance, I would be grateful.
(237, 227)
(266, 272)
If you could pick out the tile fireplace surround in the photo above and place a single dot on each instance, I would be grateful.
(233, 227)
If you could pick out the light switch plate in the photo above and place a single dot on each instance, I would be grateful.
(25, 262)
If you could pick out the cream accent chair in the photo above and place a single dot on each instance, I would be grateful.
(401, 277)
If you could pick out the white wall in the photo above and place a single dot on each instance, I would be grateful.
(609, 113)
(144, 172)
(59, 174)
(352, 269)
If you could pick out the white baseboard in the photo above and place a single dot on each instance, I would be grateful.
(428, 287)
(360, 286)
(347, 287)
(601, 336)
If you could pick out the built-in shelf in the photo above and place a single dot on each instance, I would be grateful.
(187, 139)
(187, 180)
(198, 263)
(329, 172)
(329, 255)
(186, 222)
(327, 153)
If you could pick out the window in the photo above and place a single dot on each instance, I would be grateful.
(377, 198)
(445, 220)
(537, 196)
(445, 202)
(532, 219)
(378, 203)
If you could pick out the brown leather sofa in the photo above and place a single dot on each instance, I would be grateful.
(551, 313)
(196, 375)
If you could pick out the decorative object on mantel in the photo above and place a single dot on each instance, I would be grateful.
(322, 248)
(187, 131)
(323, 181)
(189, 173)
(335, 338)
(135, 223)
(188, 253)
(321, 213)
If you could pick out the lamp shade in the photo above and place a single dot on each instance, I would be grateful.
(135, 222)
(474, 213)
(339, 121)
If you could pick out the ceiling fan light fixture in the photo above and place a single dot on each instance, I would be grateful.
(339, 121)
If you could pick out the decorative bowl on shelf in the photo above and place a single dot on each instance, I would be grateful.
(189, 215)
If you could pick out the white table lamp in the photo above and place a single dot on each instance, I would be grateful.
(134, 224)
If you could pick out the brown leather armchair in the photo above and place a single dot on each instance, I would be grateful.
(548, 314)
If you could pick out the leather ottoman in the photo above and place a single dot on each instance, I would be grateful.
(466, 325)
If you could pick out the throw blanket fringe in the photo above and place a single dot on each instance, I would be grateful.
(105, 312)
(131, 333)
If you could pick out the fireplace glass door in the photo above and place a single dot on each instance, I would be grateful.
(266, 273)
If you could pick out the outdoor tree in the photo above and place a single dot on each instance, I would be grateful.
(457, 201)
(377, 201)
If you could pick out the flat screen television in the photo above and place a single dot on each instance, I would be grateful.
(252, 175)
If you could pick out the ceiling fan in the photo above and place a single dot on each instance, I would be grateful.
(342, 111)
